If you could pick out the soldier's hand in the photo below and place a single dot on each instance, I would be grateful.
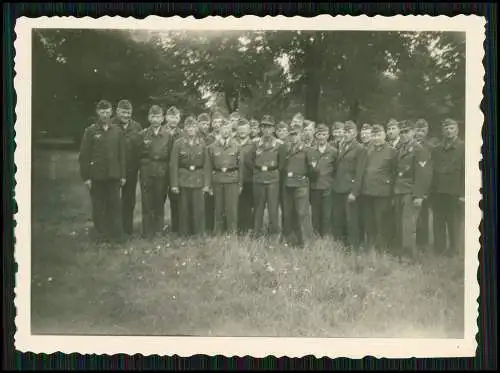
(417, 202)
(88, 183)
(314, 163)
(123, 181)
(241, 189)
(206, 190)
(175, 190)
(351, 197)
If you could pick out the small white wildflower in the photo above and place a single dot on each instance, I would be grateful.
(168, 245)
(177, 272)
(173, 296)
(148, 251)
(140, 277)
(73, 233)
(163, 273)
(158, 247)
(183, 264)
(125, 252)
(274, 291)
(49, 279)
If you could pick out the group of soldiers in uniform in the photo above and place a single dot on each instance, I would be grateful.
(374, 188)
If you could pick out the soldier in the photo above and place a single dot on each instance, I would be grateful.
(131, 130)
(209, 133)
(421, 131)
(154, 156)
(234, 119)
(297, 121)
(226, 169)
(297, 172)
(268, 157)
(204, 127)
(308, 132)
(173, 119)
(245, 205)
(217, 121)
(448, 189)
(254, 130)
(413, 177)
(393, 133)
(282, 132)
(190, 178)
(325, 157)
(375, 185)
(349, 161)
(365, 134)
(337, 134)
(102, 167)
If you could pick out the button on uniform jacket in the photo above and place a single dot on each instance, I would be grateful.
(298, 166)
(324, 170)
(132, 142)
(224, 162)
(189, 164)
(413, 170)
(348, 169)
(268, 158)
(102, 153)
(154, 153)
(449, 168)
(378, 165)
(246, 149)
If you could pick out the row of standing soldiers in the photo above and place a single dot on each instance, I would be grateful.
(221, 174)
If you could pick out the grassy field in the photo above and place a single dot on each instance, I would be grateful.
(221, 286)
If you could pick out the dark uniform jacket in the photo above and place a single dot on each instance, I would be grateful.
(298, 166)
(378, 165)
(348, 168)
(154, 153)
(268, 159)
(448, 162)
(413, 170)
(132, 143)
(246, 149)
(225, 162)
(324, 169)
(189, 164)
(102, 153)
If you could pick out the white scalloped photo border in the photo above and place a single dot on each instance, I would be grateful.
(473, 26)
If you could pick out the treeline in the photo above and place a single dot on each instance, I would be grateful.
(358, 75)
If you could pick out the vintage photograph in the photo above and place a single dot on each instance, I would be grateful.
(251, 182)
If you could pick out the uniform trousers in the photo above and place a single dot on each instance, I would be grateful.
(345, 219)
(128, 202)
(192, 211)
(449, 216)
(106, 208)
(266, 194)
(153, 207)
(209, 213)
(245, 208)
(406, 215)
(296, 203)
(226, 207)
(321, 211)
(423, 224)
(376, 212)
(174, 200)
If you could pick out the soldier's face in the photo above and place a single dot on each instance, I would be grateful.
(450, 131)
(365, 136)
(243, 131)
(155, 119)
(378, 138)
(254, 130)
(282, 133)
(104, 114)
(338, 134)
(407, 135)
(296, 137)
(322, 137)
(350, 134)
(124, 115)
(297, 122)
(216, 124)
(267, 131)
(173, 120)
(226, 130)
(392, 132)
(190, 130)
(204, 126)
(309, 132)
(421, 133)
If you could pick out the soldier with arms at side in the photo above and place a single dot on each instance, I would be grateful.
(308, 132)
(209, 132)
(103, 169)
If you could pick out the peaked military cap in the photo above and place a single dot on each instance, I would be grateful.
(217, 115)
(338, 125)
(421, 123)
(449, 122)
(377, 128)
(350, 125)
(392, 122)
(124, 104)
(243, 122)
(172, 110)
(155, 109)
(366, 126)
(104, 104)
(298, 116)
(267, 120)
(203, 117)
(254, 122)
(282, 124)
(190, 121)
(407, 125)
(322, 128)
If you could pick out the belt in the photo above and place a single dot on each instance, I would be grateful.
(291, 174)
(226, 169)
(266, 168)
(191, 167)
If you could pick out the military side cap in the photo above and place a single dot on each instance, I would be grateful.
(407, 125)
(282, 124)
(155, 109)
(254, 122)
(103, 104)
(298, 116)
(217, 115)
(172, 110)
(338, 125)
(421, 123)
(449, 122)
(309, 123)
(190, 121)
(124, 104)
(203, 117)
(234, 115)
(267, 120)
(377, 128)
(366, 126)
(350, 125)
(392, 122)
(243, 122)
(322, 128)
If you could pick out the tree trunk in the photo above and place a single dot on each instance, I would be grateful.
(313, 89)
(232, 100)
(312, 81)
(354, 111)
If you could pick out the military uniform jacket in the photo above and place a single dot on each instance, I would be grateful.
(102, 153)
(154, 153)
(449, 168)
(298, 166)
(225, 162)
(413, 170)
(246, 149)
(132, 143)
(324, 169)
(378, 165)
(189, 164)
(349, 167)
(268, 157)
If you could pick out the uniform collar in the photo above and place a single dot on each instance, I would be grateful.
(155, 131)
(273, 141)
(245, 141)
(450, 143)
